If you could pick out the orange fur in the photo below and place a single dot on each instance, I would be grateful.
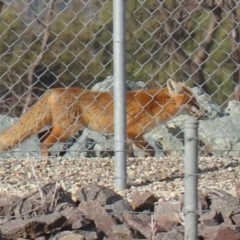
(68, 110)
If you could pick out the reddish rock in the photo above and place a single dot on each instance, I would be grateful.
(238, 189)
(7, 204)
(72, 236)
(34, 227)
(144, 227)
(116, 209)
(222, 202)
(168, 214)
(203, 202)
(211, 218)
(172, 235)
(90, 235)
(219, 233)
(94, 211)
(168, 221)
(98, 193)
(143, 201)
(171, 206)
(227, 234)
(121, 231)
(75, 218)
(235, 217)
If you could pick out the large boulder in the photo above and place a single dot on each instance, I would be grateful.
(218, 135)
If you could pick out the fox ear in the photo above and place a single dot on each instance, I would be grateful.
(174, 87)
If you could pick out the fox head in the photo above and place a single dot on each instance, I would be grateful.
(184, 97)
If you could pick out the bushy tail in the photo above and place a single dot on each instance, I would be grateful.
(30, 123)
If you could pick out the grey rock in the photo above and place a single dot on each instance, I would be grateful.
(107, 85)
(220, 134)
(91, 144)
(233, 108)
(204, 100)
(217, 134)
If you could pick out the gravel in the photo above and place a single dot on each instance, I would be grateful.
(163, 176)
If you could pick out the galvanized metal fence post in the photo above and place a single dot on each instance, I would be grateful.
(119, 93)
(191, 179)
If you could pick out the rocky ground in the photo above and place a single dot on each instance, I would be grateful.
(163, 176)
(32, 189)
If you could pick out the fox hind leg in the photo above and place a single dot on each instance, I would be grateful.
(140, 143)
(52, 136)
(130, 152)
(44, 134)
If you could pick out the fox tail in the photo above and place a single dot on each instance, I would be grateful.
(30, 123)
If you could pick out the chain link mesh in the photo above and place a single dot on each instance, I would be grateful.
(48, 44)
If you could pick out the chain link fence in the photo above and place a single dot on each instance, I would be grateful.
(49, 44)
(69, 44)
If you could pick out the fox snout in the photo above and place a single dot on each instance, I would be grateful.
(196, 111)
(202, 113)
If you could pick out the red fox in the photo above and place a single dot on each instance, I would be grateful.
(66, 110)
